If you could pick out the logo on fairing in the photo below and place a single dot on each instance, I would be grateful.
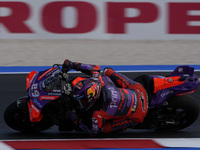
(35, 108)
(180, 69)
(166, 93)
(37, 103)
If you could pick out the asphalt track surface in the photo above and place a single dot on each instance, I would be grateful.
(13, 87)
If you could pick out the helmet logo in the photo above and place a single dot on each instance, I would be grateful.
(86, 93)
(80, 85)
(91, 92)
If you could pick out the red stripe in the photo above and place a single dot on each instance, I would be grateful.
(45, 73)
(82, 144)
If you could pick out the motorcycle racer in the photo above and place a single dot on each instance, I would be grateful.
(114, 101)
(104, 102)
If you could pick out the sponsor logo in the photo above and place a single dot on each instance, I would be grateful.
(142, 99)
(121, 123)
(180, 70)
(117, 16)
(37, 103)
(121, 79)
(91, 92)
(166, 93)
(122, 100)
(48, 97)
(57, 91)
(35, 108)
(114, 97)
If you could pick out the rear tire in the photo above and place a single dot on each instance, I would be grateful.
(16, 116)
(181, 112)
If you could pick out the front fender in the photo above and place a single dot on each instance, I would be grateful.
(35, 114)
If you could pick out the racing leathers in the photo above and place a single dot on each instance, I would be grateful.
(122, 102)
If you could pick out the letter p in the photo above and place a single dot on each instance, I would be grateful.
(117, 18)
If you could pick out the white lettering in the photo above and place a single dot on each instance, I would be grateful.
(114, 97)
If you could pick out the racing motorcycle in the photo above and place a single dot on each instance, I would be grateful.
(171, 107)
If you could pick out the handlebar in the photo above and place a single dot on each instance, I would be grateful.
(62, 74)
(57, 65)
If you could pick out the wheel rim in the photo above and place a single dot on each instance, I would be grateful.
(172, 118)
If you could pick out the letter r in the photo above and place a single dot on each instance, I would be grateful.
(15, 21)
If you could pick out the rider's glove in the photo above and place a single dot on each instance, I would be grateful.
(67, 65)
(96, 125)
(96, 122)
(95, 75)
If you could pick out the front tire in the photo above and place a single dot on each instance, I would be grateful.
(16, 117)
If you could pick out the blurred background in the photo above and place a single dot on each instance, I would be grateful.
(106, 32)
(102, 32)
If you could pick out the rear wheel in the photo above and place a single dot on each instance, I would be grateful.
(16, 116)
(179, 113)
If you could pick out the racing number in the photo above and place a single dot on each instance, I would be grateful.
(34, 91)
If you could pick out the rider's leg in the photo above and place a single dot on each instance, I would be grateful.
(148, 83)
(117, 125)
(142, 97)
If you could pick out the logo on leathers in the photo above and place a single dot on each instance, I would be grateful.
(114, 97)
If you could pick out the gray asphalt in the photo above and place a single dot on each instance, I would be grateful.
(13, 86)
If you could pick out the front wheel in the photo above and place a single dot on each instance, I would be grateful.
(179, 113)
(16, 116)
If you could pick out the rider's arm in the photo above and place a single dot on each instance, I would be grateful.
(97, 122)
(84, 68)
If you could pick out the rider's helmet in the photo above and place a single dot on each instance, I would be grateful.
(86, 93)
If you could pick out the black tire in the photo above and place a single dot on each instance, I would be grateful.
(17, 118)
(181, 112)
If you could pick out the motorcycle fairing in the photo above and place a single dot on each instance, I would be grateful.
(181, 81)
(180, 70)
(46, 73)
(39, 94)
(29, 79)
(173, 79)
(164, 83)
(34, 113)
(186, 93)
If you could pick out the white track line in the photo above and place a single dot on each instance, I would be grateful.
(4, 146)
(165, 142)
(179, 142)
